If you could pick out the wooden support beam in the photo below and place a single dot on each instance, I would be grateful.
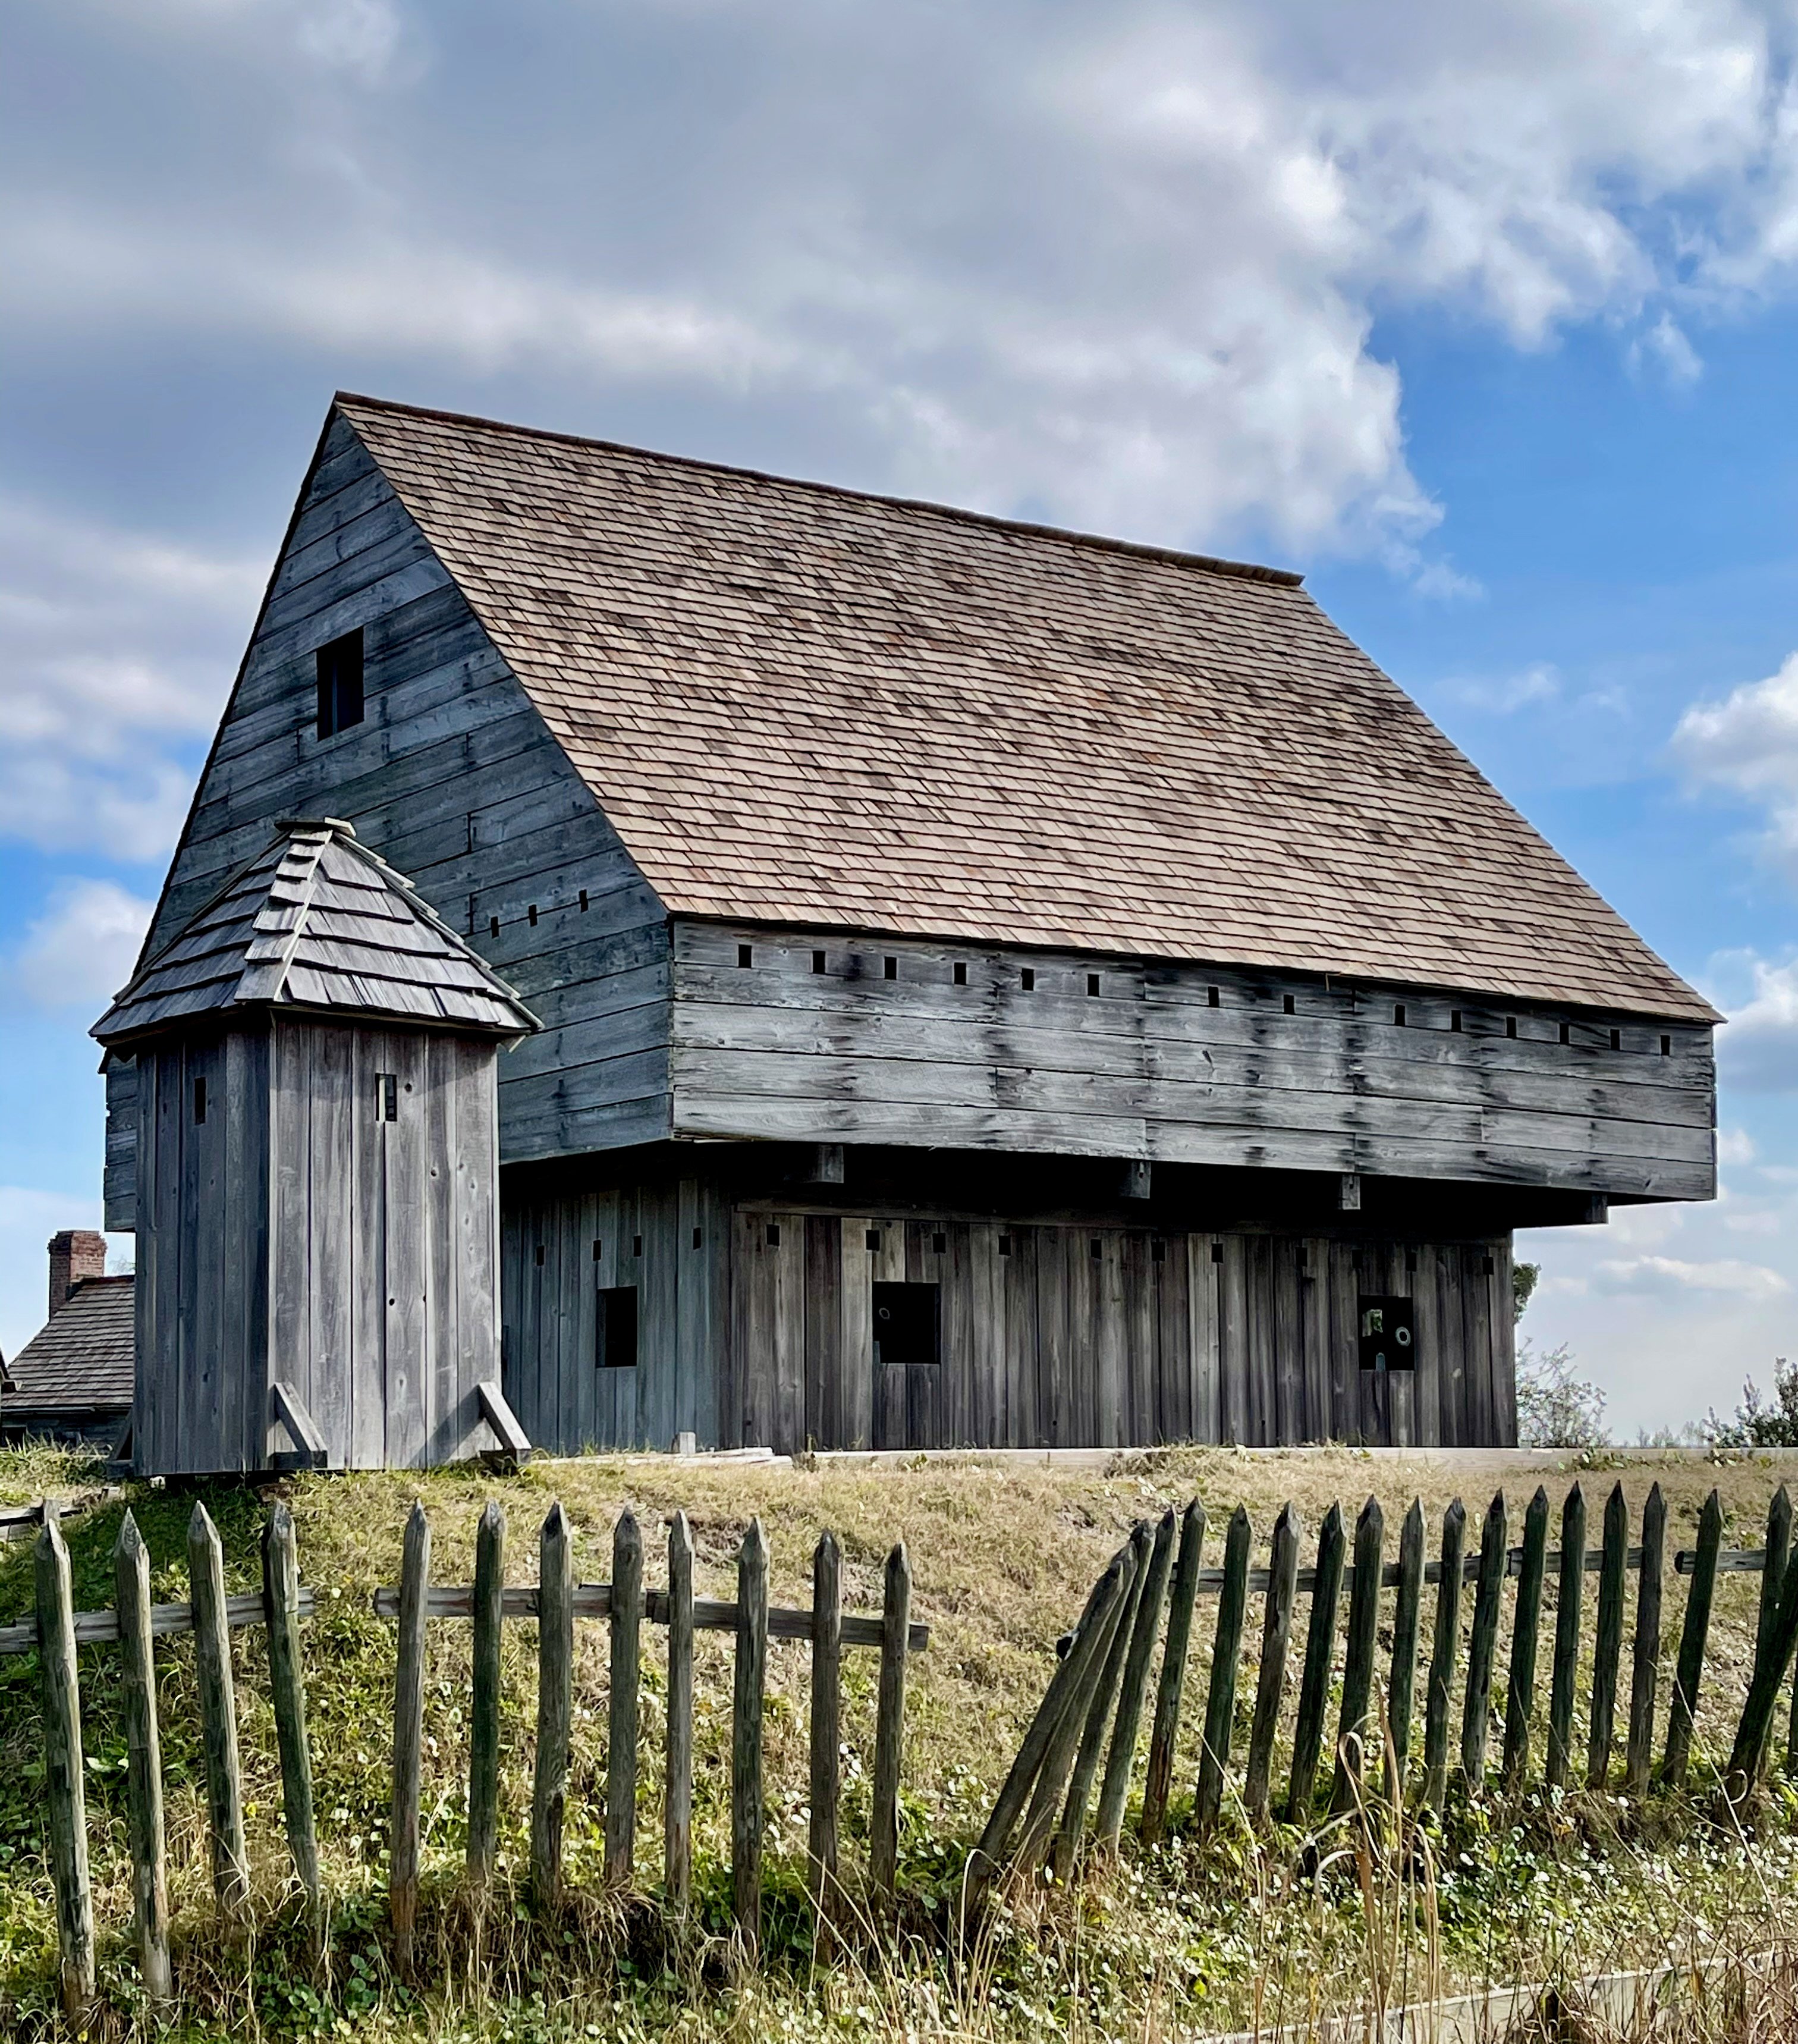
(1348, 1191)
(309, 1450)
(514, 1443)
(1136, 1182)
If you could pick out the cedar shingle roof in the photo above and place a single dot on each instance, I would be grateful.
(800, 704)
(81, 1360)
(317, 921)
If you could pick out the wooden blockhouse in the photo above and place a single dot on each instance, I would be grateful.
(997, 985)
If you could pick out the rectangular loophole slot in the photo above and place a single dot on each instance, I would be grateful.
(1666, 1046)
(493, 926)
(1286, 1004)
(1213, 998)
(583, 901)
(1486, 1267)
(339, 676)
(961, 975)
(1454, 1020)
(1157, 1252)
(530, 915)
(1510, 1025)
(1398, 1016)
(636, 1245)
(1005, 1245)
(386, 1097)
(1091, 983)
(889, 968)
(615, 1327)
(745, 954)
(907, 1324)
(598, 1247)
(1027, 979)
(1616, 1040)
(1098, 1247)
(539, 1256)
(1566, 1032)
(773, 1235)
(818, 961)
(940, 1245)
(1217, 1252)
(1411, 1262)
(871, 1238)
(699, 1238)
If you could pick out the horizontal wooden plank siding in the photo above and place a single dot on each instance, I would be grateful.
(454, 778)
(876, 1041)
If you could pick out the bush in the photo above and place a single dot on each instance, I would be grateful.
(1556, 1408)
(1755, 1425)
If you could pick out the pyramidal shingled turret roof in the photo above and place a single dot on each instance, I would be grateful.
(802, 704)
(317, 922)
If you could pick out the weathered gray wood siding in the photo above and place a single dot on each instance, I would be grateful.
(453, 778)
(1081, 1336)
(291, 1235)
(202, 1217)
(1182, 1064)
(668, 1243)
(384, 1312)
(119, 1179)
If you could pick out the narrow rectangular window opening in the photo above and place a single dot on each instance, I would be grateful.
(938, 1245)
(1287, 1004)
(1158, 1251)
(1566, 1032)
(1304, 1258)
(699, 1238)
(773, 1235)
(1510, 1025)
(817, 961)
(1485, 1267)
(1098, 1247)
(745, 954)
(386, 1097)
(616, 1324)
(1411, 1262)
(960, 974)
(1005, 1245)
(597, 1246)
(1398, 1016)
(907, 1324)
(890, 968)
(493, 926)
(1091, 983)
(871, 1238)
(539, 1256)
(1666, 1046)
(1217, 1252)
(636, 1245)
(1616, 1040)
(199, 1100)
(1454, 1020)
(339, 675)
(583, 901)
(1027, 979)
(530, 915)
(1213, 999)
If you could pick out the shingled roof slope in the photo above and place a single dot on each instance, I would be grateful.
(798, 704)
(317, 921)
(81, 1359)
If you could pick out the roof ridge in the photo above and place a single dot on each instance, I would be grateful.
(298, 839)
(1138, 549)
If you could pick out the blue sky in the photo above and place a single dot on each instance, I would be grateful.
(1484, 318)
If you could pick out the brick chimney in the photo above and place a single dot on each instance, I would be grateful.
(76, 1254)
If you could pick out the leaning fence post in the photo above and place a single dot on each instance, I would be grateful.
(1773, 1576)
(1482, 1647)
(1099, 1712)
(1608, 1651)
(1320, 1650)
(1749, 1756)
(143, 1784)
(1158, 1783)
(993, 1851)
(1443, 1647)
(746, 1734)
(1690, 1669)
(1077, 1735)
(555, 1704)
(218, 1712)
(621, 1735)
(484, 1709)
(1408, 1612)
(1114, 1792)
(408, 1736)
(1570, 1596)
(1226, 1659)
(678, 1790)
(826, 1716)
(1358, 1667)
(1645, 1667)
(1526, 1629)
(63, 1783)
(287, 1687)
(890, 1724)
(1276, 1642)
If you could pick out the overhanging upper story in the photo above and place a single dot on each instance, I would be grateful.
(1031, 842)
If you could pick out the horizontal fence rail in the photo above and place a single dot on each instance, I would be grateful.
(595, 1600)
(101, 1628)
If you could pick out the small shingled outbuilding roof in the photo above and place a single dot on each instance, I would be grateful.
(81, 1360)
(801, 704)
(317, 922)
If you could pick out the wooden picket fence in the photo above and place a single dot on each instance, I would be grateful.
(555, 1603)
(1091, 1713)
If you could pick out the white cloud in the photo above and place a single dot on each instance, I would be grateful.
(1539, 682)
(80, 950)
(116, 649)
(1118, 268)
(1651, 1274)
(1758, 1051)
(1735, 1146)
